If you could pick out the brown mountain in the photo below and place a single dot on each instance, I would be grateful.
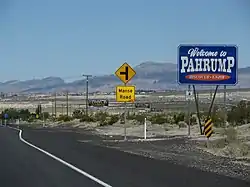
(149, 75)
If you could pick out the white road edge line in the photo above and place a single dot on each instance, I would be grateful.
(62, 161)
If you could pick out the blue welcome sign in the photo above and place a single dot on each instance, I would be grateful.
(208, 64)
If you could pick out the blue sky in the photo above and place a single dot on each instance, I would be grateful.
(66, 38)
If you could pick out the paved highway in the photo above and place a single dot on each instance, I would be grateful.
(85, 164)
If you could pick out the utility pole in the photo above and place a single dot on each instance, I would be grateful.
(55, 104)
(62, 109)
(67, 100)
(87, 91)
(42, 111)
(52, 107)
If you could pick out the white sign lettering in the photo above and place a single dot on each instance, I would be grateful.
(215, 61)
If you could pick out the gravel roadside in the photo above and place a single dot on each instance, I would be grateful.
(185, 152)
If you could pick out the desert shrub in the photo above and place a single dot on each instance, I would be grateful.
(110, 120)
(87, 118)
(31, 119)
(77, 114)
(218, 116)
(239, 114)
(140, 118)
(192, 119)
(64, 118)
(100, 116)
(103, 123)
(131, 116)
(179, 117)
(182, 124)
(113, 119)
(158, 119)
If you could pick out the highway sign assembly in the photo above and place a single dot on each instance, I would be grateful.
(200, 64)
(125, 93)
(208, 131)
(208, 64)
(125, 73)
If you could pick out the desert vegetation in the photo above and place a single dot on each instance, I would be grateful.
(235, 116)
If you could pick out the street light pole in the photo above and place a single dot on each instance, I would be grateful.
(87, 91)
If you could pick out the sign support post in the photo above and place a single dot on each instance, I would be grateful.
(225, 108)
(189, 120)
(212, 102)
(125, 118)
(197, 108)
(125, 93)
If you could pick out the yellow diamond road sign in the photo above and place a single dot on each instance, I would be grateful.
(125, 73)
(125, 93)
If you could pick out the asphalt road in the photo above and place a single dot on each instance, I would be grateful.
(22, 165)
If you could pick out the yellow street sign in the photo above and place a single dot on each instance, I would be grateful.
(125, 73)
(208, 131)
(125, 93)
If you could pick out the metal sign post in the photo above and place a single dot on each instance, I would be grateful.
(225, 108)
(125, 93)
(207, 65)
(125, 118)
(197, 108)
(188, 97)
(212, 102)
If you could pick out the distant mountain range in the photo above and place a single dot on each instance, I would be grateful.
(149, 75)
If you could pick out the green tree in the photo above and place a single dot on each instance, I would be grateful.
(39, 111)
(45, 115)
(12, 113)
(24, 114)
